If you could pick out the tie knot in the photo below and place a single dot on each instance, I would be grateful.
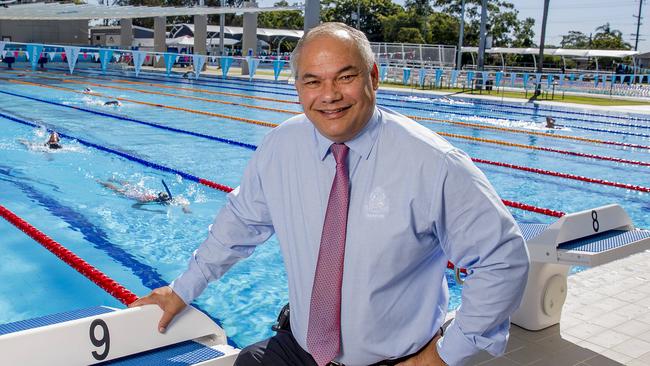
(340, 152)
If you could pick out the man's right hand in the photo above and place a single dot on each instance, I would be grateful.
(170, 303)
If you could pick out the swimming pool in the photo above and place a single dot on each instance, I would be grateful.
(208, 129)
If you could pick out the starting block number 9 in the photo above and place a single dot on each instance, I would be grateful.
(102, 342)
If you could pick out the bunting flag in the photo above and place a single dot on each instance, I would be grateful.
(538, 79)
(422, 74)
(513, 77)
(95, 56)
(52, 55)
(252, 66)
(198, 61)
(497, 78)
(2, 48)
(138, 60)
(406, 75)
(71, 54)
(16, 53)
(105, 57)
(549, 80)
(454, 77)
(581, 77)
(561, 81)
(572, 77)
(117, 56)
(383, 72)
(470, 77)
(277, 67)
(525, 80)
(226, 62)
(34, 50)
(484, 77)
(439, 77)
(157, 58)
(613, 81)
(169, 62)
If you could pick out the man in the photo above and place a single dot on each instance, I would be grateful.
(368, 206)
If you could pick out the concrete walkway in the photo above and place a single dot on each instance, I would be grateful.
(605, 321)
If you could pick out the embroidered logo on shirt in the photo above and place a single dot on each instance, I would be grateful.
(378, 204)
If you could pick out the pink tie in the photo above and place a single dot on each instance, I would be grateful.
(324, 332)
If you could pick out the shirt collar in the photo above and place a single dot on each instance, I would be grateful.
(361, 144)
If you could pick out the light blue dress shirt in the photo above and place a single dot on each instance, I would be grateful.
(415, 202)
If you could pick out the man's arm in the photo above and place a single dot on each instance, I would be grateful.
(242, 224)
(477, 232)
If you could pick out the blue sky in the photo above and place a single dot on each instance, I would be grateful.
(578, 15)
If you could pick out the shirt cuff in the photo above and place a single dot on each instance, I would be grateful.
(454, 348)
(189, 285)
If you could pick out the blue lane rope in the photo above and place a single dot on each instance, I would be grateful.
(151, 124)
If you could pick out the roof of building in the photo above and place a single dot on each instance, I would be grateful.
(59, 11)
(556, 52)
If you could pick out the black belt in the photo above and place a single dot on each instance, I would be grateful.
(395, 361)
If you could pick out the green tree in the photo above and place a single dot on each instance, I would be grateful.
(444, 29)
(503, 21)
(281, 19)
(575, 39)
(409, 35)
(372, 12)
(392, 25)
(607, 38)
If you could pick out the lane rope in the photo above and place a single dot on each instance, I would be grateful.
(109, 285)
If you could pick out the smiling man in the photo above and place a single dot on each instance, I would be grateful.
(368, 206)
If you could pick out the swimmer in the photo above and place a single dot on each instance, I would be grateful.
(54, 141)
(87, 90)
(113, 102)
(142, 196)
(187, 74)
(550, 122)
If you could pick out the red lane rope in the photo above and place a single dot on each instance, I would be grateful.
(531, 208)
(564, 175)
(106, 283)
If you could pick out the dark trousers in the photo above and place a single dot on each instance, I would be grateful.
(279, 350)
(283, 350)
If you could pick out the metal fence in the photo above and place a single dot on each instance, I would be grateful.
(414, 55)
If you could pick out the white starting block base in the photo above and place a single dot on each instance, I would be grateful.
(117, 337)
(586, 238)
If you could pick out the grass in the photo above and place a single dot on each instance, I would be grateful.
(604, 100)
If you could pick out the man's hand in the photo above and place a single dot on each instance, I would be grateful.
(428, 356)
(170, 303)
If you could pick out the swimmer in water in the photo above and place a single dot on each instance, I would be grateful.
(142, 196)
(113, 102)
(550, 122)
(87, 90)
(53, 142)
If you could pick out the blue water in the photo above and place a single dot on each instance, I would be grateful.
(142, 248)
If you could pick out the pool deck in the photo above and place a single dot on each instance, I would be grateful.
(605, 321)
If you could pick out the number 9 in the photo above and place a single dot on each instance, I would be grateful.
(105, 340)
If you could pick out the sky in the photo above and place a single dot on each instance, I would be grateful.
(579, 15)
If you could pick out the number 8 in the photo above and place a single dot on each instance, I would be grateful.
(595, 224)
(104, 341)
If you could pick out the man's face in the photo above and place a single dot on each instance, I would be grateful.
(336, 90)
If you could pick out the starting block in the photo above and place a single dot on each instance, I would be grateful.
(115, 337)
(587, 238)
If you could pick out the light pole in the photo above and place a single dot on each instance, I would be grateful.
(540, 64)
(461, 35)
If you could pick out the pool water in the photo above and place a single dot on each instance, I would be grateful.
(144, 247)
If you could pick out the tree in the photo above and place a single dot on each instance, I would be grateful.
(392, 25)
(607, 38)
(444, 28)
(575, 39)
(503, 22)
(281, 19)
(371, 13)
(409, 35)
